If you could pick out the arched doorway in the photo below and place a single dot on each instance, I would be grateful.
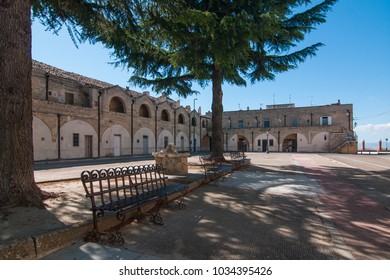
(206, 143)
(290, 143)
(242, 143)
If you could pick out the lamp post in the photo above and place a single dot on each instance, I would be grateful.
(132, 127)
(47, 76)
(267, 143)
(155, 129)
(387, 139)
(194, 124)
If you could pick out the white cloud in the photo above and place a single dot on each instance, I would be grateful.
(373, 132)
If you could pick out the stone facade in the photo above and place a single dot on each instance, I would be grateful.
(286, 128)
(80, 117)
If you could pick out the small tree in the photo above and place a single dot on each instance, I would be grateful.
(171, 44)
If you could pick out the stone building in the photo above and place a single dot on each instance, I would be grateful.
(286, 128)
(79, 117)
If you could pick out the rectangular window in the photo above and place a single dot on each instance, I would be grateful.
(271, 142)
(259, 142)
(165, 142)
(76, 139)
(267, 123)
(240, 124)
(69, 98)
(325, 121)
(294, 122)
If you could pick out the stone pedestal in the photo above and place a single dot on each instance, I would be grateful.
(174, 163)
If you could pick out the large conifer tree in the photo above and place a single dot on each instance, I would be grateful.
(168, 44)
(17, 184)
(171, 44)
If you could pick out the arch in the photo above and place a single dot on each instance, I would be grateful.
(143, 141)
(116, 105)
(260, 142)
(290, 143)
(242, 143)
(206, 143)
(164, 138)
(193, 121)
(165, 115)
(84, 131)
(45, 144)
(180, 119)
(320, 142)
(237, 143)
(182, 142)
(115, 141)
(144, 111)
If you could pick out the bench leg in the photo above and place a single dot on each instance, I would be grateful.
(180, 202)
(105, 237)
(155, 216)
(97, 236)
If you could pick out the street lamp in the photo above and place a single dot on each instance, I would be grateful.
(267, 143)
(387, 139)
(194, 124)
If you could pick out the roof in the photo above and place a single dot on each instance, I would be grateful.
(69, 75)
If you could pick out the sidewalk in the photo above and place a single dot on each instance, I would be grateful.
(30, 233)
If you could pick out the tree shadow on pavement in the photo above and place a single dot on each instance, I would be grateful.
(68, 207)
(231, 223)
(359, 204)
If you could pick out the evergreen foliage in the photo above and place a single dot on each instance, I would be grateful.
(169, 45)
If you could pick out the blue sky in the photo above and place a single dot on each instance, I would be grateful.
(353, 67)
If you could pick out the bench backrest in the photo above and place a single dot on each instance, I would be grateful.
(204, 159)
(106, 186)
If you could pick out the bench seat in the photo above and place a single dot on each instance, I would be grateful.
(126, 189)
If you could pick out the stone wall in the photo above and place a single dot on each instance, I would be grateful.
(72, 108)
(82, 117)
(304, 129)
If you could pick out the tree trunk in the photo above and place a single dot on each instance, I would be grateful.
(217, 110)
(17, 185)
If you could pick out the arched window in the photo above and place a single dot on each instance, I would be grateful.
(181, 119)
(116, 105)
(193, 121)
(165, 115)
(144, 111)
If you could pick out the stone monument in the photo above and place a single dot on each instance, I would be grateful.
(174, 163)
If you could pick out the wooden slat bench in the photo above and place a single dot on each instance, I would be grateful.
(128, 189)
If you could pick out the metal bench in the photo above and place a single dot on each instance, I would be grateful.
(213, 167)
(128, 189)
(235, 155)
